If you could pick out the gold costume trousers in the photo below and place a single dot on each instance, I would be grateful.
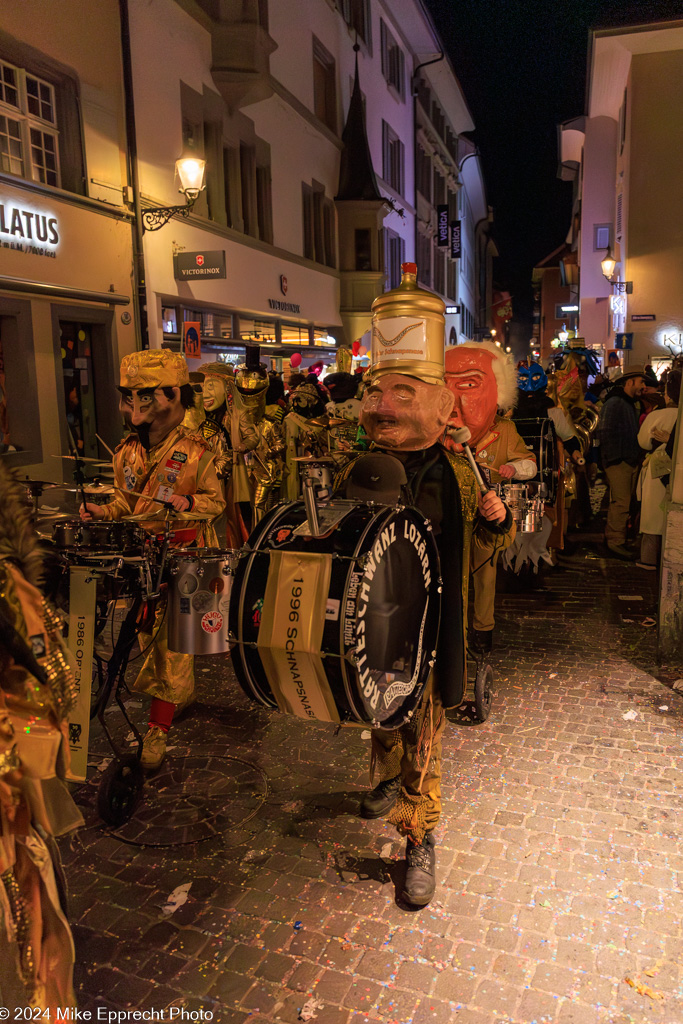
(484, 554)
(165, 674)
(414, 753)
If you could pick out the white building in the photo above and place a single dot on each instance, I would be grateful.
(262, 90)
(624, 156)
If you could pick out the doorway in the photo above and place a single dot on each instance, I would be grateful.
(79, 386)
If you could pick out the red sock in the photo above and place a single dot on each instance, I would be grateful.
(161, 714)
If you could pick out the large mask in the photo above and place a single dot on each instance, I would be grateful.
(213, 390)
(471, 380)
(532, 378)
(405, 413)
(150, 384)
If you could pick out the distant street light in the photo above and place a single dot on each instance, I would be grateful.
(190, 170)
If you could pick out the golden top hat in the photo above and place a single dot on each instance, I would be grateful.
(218, 369)
(408, 331)
(153, 368)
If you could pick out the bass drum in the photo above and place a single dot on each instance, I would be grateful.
(340, 627)
(539, 436)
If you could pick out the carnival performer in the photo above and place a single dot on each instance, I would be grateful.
(216, 400)
(482, 380)
(301, 436)
(405, 410)
(257, 443)
(160, 465)
(37, 691)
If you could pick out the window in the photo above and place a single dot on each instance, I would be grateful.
(451, 279)
(393, 158)
(29, 138)
(394, 256)
(439, 188)
(439, 270)
(356, 15)
(319, 226)
(620, 211)
(393, 60)
(424, 173)
(248, 192)
(467, 323)
(324, 86)
(601, 236)
(424, 96)
(363, 249)
(424, 259)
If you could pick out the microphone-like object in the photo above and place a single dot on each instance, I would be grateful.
(461, 436)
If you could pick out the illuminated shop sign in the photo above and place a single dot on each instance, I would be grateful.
(28, 230)
(669, 338)
(284, 307)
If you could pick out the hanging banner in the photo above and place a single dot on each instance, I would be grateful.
(456, 240)
(442, 226)
(191, 339)
(82, 592)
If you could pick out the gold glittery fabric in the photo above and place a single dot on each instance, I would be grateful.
(414, 753)
(165, 674)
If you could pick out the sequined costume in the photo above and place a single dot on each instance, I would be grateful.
(37, 691)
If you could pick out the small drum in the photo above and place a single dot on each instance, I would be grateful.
(200, 582)
(339, 627)
(320, 471)
(67, 534)
(526, 503)
(540, 438)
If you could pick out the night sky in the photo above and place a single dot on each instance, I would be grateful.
(522, 67)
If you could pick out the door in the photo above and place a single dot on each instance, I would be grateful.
(79, 386)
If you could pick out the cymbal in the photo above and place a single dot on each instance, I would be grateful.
(327, 421)
(155, 516)
(42, 484)
(313, 458)
(83, 458)
(55, 515)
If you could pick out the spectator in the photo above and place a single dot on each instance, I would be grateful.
(655, 431)
(618, 436)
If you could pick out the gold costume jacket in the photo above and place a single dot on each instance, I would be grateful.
(180, 464)
(501, 444)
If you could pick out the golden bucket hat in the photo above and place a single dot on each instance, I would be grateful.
(153, 368)
(408, 331)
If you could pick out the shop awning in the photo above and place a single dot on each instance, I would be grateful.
(62, 291)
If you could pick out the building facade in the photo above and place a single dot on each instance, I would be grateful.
(262, 91)
(66, 266)
(623, 156)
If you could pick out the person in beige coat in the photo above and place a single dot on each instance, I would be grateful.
(654, 432)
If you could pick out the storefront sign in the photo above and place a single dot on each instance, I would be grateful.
(28, 230)
(210, 263)
(442, 226)
(191, 338)
(643, 316)
(456, 240)
(669, 338)
(284, 307)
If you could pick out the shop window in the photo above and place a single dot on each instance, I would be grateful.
(169, 318)
(319, 225)
(295, 334)
(324, 85)
(29, 132)
(393, 158)
(393, 60)
(394, 256)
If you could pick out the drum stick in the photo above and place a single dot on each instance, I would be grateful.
(104, 444)
(461, 436)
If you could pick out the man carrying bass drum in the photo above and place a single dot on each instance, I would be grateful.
(405, 410)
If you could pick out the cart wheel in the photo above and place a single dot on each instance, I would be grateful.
(483, 695)
(120, 790)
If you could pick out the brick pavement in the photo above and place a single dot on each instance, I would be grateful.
(558, 856)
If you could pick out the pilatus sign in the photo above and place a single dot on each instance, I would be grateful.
(28, 230)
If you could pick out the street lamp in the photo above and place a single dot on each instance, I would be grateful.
(607, 265)
(190, 173)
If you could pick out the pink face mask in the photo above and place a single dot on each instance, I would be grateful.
(470, 379)
(405, 413)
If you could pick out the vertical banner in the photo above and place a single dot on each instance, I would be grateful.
(82, 591)
(191, 340)
(456, 240)
(442, 226)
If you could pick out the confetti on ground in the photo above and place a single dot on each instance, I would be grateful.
(644, 990)
(308, 1010)
(176, 899)
(553, 675)
(663, 707)
(630, 716)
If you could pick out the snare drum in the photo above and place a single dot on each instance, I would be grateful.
(526, 504)
(67, 534)
(200, 581)
(319, 471)
(342, 626)
(112, 537)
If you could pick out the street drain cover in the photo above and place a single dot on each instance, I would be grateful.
(193, 799)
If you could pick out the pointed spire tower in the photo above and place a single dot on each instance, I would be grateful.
(360, 213)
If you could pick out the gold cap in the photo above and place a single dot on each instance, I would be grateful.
(408, 331)
(153, 368)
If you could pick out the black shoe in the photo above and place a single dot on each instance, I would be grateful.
(482, 640)
(420, 883)
(381, 799)
(619, 551)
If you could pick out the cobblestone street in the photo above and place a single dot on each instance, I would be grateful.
(558, 857)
